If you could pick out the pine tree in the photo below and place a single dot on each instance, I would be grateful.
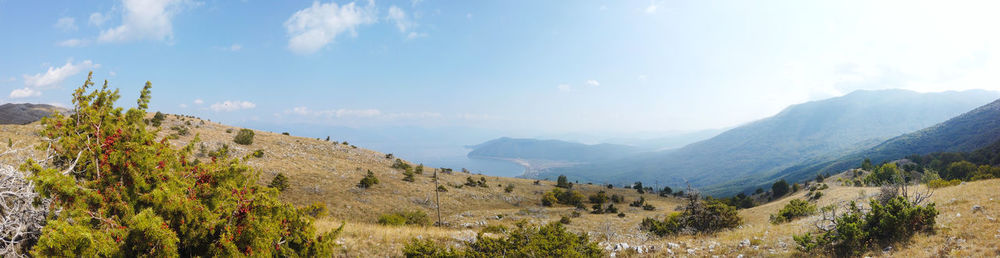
(123, 192)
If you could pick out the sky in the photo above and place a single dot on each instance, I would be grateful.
(517, 66)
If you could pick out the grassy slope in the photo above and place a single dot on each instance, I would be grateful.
(322, 171)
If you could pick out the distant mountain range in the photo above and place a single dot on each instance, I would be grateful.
(26, 113)
(550, 150)
(755, 154)
(968, 132)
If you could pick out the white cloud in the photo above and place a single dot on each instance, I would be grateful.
(145, 20)
(66, 24)
(305, 111)
(228, 106)
(564, 87)
(235, 47)
(312, 28)
(398, 16)
(468, 16)
(198, 101)
(651, 9)
(182, 105)
(73, 43)
(97, 19)
(593, 83)
(112, 73)
(56, 75)
(24, 93)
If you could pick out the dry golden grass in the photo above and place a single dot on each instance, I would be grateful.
(327, 172)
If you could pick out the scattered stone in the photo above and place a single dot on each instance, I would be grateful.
(673, 246)
(739, 256)
(690, 251)
(977, 208)
(887, 249)
(958, 214)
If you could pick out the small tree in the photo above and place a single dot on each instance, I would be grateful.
(244, 137)
(157, 119)
(279, 182)
(408, 175)
(562, 182)
(779, 188)
(368, 181)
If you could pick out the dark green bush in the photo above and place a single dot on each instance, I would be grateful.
(698, 217)
(857, 231)
(779, 188)
(562, 182)
(408, 175)
(158, 118)
(567, 197)
(509, 188)
(599, 198)
(442, 189)
(258, 153)
(427, 249)
(551, 240)
(794, 209)
(368, 181)
(244, 137)
(279, 182)
(564, 220)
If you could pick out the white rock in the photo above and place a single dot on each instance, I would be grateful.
(690, 251)
(673, 245)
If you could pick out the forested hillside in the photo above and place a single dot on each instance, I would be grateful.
(752, 155)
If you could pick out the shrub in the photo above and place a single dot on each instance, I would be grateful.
(698, 217)
(621, 214)
(599, 198)
(399, 164)
(286, 133)
(564, 220)
(146, 197)
(158, 119)
(509, 188)
(416, 217)
(221, 152)
(258, 153)
(939, 183)
(180, 130)
(427, 248)
(779, 188)
(279, 182)
(794, 209)
(561, 182)
(617, 198)
(550, 240)
(568, 197)
(368, 181)
(244, 137)
(419, 169)
(442, 189)
(856, 230)
(648, 207)
(639, 202)
(611, 209)
(884, 174)
(408, 175)
(315, 210)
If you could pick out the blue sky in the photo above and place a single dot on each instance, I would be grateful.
(519, 66)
